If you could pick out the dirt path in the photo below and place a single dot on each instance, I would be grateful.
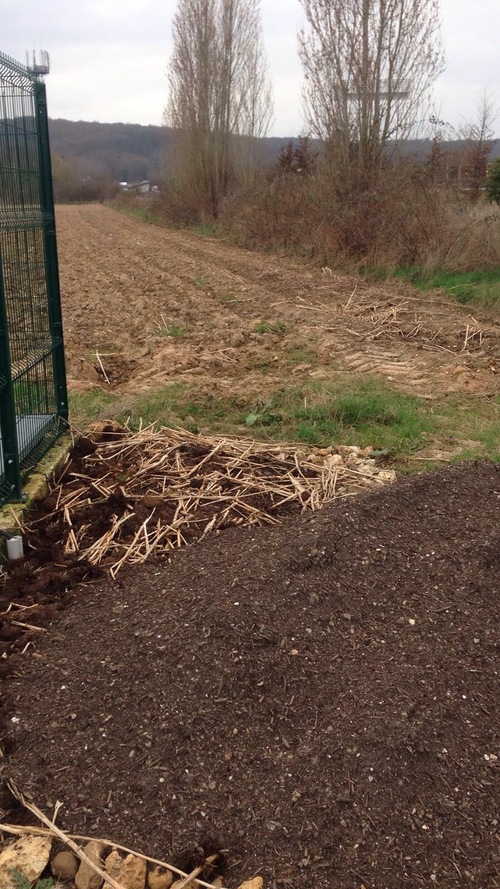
(125, 284)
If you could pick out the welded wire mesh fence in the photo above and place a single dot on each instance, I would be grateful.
(33, 399)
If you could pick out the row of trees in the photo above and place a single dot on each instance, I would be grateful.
(220, 96)
(368, 66)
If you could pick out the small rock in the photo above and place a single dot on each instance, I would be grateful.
(348, 450)
(132, 874)
(158, 878)
(335, 460)
(87, 878)
(367, 466)
(387, 475)
(28, 855)
(64, 865)
(256, 883)
(113, 863)
(191, 885)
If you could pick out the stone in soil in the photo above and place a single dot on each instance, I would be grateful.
(28, 855)
(64, 865)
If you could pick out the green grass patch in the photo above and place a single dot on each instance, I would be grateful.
(367, 412)
(360, 411)
(276, 327)
(301, 356)
(92, 405)
(363, 412)
(163, 328)
(22, 882)
(481, 287)
(176, 405)
(471, 426)
(175, 330)
(179, 405)
(489, 436)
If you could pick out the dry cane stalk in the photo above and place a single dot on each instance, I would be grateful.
(116, 567)
(102, 367)
(196, 872)
(19, 623)
(20, 607)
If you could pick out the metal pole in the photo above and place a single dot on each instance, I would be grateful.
(8, 428)
(51, 262)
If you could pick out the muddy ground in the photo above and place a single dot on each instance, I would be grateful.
(319, 697)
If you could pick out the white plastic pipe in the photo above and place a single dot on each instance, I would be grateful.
(15, 547)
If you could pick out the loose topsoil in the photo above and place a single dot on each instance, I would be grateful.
(128, 286)
(321, 698)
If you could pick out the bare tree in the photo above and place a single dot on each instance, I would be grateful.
(369, 65)
(479, 140)
(218, 91)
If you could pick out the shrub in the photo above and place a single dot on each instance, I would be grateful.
(493, 182)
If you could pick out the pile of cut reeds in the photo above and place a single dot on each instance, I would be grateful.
(134, 495)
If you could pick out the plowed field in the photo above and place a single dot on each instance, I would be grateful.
(127, 285)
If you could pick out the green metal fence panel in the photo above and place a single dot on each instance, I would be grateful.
(33, 397)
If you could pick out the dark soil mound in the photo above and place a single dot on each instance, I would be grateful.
(321, 696)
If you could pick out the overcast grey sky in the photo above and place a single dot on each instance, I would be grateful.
(109, 57)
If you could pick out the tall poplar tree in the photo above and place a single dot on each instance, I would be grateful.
(219, 92)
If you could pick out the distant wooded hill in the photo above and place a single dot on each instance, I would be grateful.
(130, 153)
(127, 152)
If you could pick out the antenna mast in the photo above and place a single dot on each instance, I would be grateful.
(41, 67)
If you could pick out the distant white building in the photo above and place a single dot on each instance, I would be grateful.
(143, 187)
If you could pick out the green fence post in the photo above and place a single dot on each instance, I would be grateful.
(51, 261)
(8, 429)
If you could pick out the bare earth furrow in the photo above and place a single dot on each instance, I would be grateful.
(126, 285)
